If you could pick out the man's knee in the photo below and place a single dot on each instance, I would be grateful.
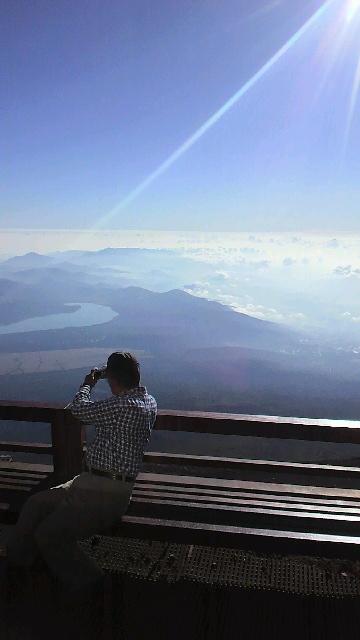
(44, 500)
(51, 535)
(40, 497)
(35, 498)
(33, 508)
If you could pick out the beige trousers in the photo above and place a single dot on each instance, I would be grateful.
(52, 521)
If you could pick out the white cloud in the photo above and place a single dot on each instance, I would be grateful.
(198, 290)
(257, 264)
(288, 262)
(246, 305)
(348, 316)
(267, 313)
(220, 276)
(249, 250)
(346, 271)
(332, 244)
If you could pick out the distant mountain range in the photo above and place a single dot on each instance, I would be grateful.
(200, 354)
(26, 261)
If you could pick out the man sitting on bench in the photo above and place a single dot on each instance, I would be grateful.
(52, 521)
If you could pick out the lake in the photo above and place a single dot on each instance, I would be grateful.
(87, 315)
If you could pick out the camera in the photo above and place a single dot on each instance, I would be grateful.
(99, 374)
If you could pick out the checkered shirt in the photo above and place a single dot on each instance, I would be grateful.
(123, 427)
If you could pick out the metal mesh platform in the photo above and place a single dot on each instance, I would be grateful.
(222, 567)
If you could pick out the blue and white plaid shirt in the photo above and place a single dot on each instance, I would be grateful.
(123, 427)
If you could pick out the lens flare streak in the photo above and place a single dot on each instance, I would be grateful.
(352, 9)
(352, 105)
(212, 120)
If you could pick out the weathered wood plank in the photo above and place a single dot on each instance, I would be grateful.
(21, 474)
(198, 481)
(18, 481)
(272, 540)
(27, 411)
(296, 535)
(248, 502)
(210, 506)
(260, 426)
(201, 491)
(164, 414)
(26, 447)
(155, 457)
(26, 466)
(13, 487)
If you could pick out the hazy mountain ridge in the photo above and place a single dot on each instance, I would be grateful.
(146, 313)
(194, 345)
(31, 259)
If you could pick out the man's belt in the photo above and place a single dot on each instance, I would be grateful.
(110, 474)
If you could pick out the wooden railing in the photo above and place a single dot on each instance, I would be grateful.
(67, 433)
(214, 500)
(345, 431)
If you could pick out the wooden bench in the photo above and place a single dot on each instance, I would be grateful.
(267, 505)
(19, 480)
(262, 504)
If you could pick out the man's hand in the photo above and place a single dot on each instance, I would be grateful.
(90, 379)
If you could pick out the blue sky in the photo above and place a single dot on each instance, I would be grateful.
(99, 93)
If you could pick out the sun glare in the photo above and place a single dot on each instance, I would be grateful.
(353, 6)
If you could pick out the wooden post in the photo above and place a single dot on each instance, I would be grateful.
(67, 440)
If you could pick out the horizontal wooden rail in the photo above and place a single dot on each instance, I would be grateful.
(31, 411)
(236, 464)
(344, 431)
(67, 432)
(31, 468)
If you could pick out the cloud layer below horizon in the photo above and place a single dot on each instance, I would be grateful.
(305, 280)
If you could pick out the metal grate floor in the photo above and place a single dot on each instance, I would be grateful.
(222, 567)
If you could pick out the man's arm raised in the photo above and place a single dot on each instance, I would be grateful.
(82, 407)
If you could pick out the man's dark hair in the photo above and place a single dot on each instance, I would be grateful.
(124, 367)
